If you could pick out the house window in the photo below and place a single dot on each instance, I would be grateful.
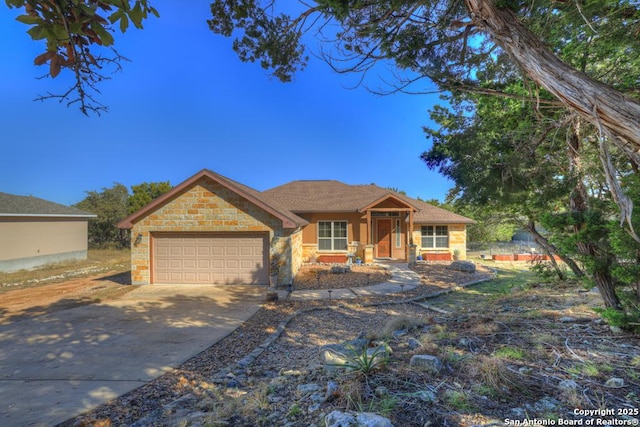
(435, 236)
(398, 234)
(332, 235)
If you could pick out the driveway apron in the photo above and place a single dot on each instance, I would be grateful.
(58, 364)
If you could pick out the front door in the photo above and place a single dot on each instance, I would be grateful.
(384, 238)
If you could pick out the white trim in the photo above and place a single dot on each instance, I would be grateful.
(435, 236)
(332, 221)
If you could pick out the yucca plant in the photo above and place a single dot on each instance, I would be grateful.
(363, 360)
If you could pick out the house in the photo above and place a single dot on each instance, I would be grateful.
(211, 229)
(35, 232)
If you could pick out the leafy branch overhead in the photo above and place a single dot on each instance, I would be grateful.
(452, 43)
(79, 38)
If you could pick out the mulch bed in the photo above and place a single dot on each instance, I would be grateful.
(320, 276)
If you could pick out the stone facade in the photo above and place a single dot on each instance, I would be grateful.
(457, 240)
(205, 207)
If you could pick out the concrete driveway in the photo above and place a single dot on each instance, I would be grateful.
(57, 365)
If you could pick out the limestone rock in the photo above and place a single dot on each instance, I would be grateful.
(465, 266)
(614, 383)
(426, 361)
(356, 419)
(340, 269)
(567, 385)
(413, 343)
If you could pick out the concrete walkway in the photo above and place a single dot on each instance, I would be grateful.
(402, 279)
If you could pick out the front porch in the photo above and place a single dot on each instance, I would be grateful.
(389, 225)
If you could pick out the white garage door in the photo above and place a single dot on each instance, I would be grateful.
(210, 258)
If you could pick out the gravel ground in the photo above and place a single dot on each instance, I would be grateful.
(294, 349)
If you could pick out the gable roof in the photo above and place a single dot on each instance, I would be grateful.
(289, 219)
(29, 206)
(335, 196)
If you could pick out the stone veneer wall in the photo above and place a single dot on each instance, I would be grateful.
(296, 253)
(206, 207)
(287, 249)
(457, 240)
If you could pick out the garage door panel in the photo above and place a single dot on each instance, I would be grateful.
(210, 258)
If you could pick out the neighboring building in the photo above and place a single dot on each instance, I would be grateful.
(211, 229)
(35, 232)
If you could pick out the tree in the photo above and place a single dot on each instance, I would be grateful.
(78, 34)
(144, 193)
(447, 42)
(110, 206)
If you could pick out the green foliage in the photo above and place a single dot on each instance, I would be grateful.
(110, 205)
(294, 411)
(272, 40)
(628, 320)
(364, 360)
(513, 353)
(143, 194)
(77, 35)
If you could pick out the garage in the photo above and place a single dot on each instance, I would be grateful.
(210, 258)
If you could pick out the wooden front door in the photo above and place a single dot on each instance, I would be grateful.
(384, 238)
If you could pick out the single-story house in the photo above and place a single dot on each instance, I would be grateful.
(211, 229)
(36, 232)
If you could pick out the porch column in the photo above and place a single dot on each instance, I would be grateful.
(410, 234)
(369, 238)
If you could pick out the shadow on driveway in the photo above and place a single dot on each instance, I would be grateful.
(66, 362)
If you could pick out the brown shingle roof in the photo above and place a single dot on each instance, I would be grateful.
(335, 196)
(12, 205)
(289, 219)
(298, 197)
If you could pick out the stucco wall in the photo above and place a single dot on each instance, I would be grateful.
(206, 207)
(30, 242)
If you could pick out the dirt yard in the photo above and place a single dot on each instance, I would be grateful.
(104, 275)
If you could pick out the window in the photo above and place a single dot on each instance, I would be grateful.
(435, 236)
(398, 234)
(332, 235)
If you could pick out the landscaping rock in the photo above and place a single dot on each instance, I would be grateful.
(356, 419)
(465, 266)
(413, 343)
(426, 361)
(332, 391)
(399, 333)
(334, 356)
(614, 383)
(381, 391)
(426, 396)
(308, 388)
(340, 269)
(567, 385)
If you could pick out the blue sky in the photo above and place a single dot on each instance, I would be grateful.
(185, 103)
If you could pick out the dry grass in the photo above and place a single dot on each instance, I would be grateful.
(98, 261)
